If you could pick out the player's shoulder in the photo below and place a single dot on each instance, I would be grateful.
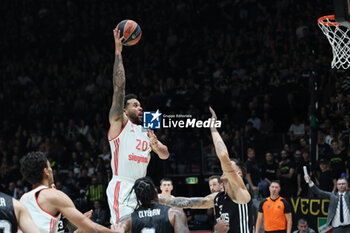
(51, 194)
(116, 128)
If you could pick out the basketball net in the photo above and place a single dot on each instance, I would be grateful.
(338, 37)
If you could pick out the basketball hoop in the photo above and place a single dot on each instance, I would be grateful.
(338, 37)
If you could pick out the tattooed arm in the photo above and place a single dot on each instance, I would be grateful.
(190, 202)
(237, 191)
(117, 118)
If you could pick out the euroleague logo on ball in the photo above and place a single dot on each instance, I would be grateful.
(131, 32)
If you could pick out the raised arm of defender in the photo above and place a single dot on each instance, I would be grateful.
(117, 118)
(238, 191)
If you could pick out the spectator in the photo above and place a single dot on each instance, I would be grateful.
(99, 215)
(303, 227)
(324, 178)
(303, 190)
(266, 124)
(269, 172)
(287, 176)
(337, 159)
(253, 173)
(323, 148)
(95, 191)
(256, 121)
(296, 130)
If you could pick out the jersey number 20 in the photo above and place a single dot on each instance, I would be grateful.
(144, 145)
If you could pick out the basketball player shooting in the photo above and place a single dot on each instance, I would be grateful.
(130, 143)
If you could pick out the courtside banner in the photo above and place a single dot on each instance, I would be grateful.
(314, 210)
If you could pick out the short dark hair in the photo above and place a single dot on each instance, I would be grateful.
(129, 97)
(302, 221)
(324, 161)
(241, 166)
(277, 182)
(166, 180)
(32, 166)
(145, 191)
(216, 177)
(343, 178)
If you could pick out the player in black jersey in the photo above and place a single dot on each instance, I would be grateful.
(150, 216)
(14, 214)
(233, 205)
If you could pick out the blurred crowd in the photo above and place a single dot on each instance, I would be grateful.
(251, 60)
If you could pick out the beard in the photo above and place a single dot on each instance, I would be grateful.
(135, 119)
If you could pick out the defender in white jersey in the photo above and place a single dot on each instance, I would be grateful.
(45, 204)
(130, 143)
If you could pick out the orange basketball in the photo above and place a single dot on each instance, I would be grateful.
(131, 32)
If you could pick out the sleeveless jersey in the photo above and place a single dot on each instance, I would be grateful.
(46, 222)
(151, 220)
(239, 216)
(130, 151)
(8, 220)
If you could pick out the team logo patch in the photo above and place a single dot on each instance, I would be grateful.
(322, 227)
(151, 120)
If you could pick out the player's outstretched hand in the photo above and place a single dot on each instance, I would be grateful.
(221, 227)
(153, 138)
(118, 228)
(118, 41)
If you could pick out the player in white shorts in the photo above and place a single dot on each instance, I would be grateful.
(130, 143)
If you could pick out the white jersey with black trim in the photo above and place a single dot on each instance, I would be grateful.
(130, 152)
(46, 222)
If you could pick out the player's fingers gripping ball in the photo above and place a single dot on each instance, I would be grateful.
(130, 31)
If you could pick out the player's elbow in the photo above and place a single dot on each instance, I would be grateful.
(162, 152)
(244, 198)
(164, 155)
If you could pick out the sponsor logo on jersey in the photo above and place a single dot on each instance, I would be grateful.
(223, 217)
(138, 159)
